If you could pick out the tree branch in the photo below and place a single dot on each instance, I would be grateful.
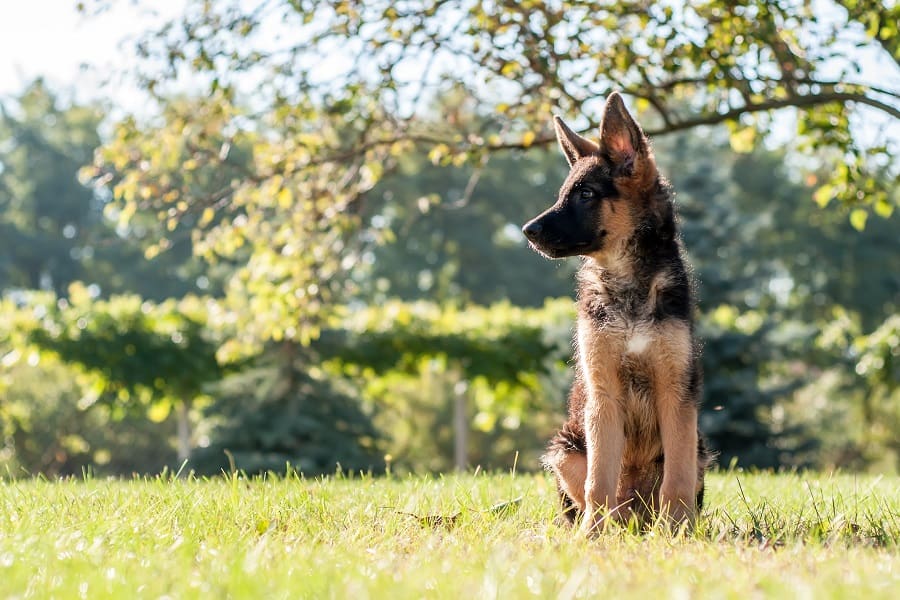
(671, 127)
(716, 118)
(774, 104)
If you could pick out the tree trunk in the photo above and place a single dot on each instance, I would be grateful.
(288, 355)
(184, 431)
(460, 427)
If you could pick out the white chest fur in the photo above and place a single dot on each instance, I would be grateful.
(637, 342)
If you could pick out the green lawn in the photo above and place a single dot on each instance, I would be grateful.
(792, 536)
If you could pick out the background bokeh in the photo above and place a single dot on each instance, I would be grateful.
(251, 234)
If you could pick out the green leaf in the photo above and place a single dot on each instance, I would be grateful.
(742, 140)
(883, 208)
(528, 139)
(858, 218)
(823, 195)
(437, 153)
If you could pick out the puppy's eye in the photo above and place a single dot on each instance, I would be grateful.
(586, 194)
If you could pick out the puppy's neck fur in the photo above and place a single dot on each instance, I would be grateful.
(627, 279)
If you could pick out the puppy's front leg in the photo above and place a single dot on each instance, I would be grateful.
(678, 429)
(603, 426)
(605, 437)
(677, 414)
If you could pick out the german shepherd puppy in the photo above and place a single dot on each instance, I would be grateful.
(630, 447)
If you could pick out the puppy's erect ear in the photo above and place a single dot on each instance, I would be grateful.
(621, 138)
(573, 145)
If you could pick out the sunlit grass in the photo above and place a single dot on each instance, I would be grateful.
(762, 535)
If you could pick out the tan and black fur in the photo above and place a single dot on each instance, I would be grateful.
(631, 446)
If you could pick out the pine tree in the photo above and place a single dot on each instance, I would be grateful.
(280, 412)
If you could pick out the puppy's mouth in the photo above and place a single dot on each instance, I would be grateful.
(560, 249)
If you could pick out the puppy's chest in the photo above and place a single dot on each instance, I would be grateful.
(619, 345)
(619, 358)
(617, 334)
(620, 312)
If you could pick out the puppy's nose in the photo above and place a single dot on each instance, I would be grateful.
(532, 229)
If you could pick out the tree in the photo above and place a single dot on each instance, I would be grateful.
(52, 228)
(350, 99)
(698, 64)
(477, 378)
(815, 259)
(253, 199)
(860, 374)
(336, 102)
(277, 412)
(145, 357)
(463, 240)
(52, 423)
(45, 216)
(879, 366)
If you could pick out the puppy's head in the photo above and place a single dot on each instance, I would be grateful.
(596, 205)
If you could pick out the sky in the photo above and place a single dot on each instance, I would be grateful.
(50, 38)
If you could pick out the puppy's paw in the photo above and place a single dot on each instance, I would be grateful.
(678, 510)
(601, 519)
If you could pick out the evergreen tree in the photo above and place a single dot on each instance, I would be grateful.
(281, 412)
(52, 228)
(45, 215)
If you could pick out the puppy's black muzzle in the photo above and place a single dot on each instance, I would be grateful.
(546, 237)
(557, 234)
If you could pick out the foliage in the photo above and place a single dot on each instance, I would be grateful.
(155, 354)
(56, 417)
(508, 425)
(744, 222)
(279, 412)
(878, 354)
(511, 364)
(52, 424)
(44, 219)
(869, 417)
(833, 536)
(697, 64)
(140, 358)
(806, 260)
(452, 233)
(137, 354)
(770, 264)
(739, 399)
(500, 343)
(297, 181)
(507, 364)
(774, 267)
(281, 155)
(311, 196)
(52, 229)
(262, 200)
(879, 366)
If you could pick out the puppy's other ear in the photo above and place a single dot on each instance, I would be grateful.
(621, 138)
(573, 146)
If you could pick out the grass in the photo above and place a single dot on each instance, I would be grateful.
(762, 535)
